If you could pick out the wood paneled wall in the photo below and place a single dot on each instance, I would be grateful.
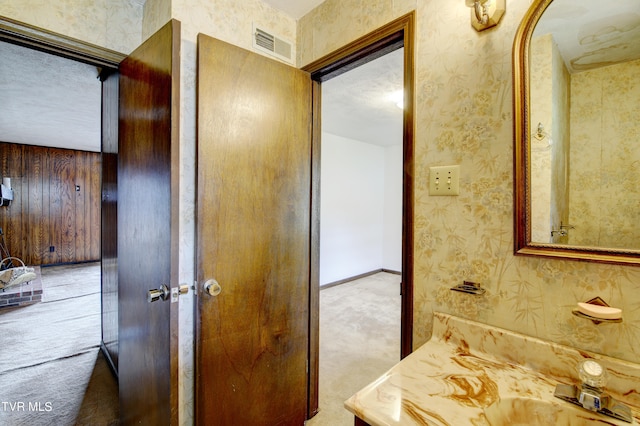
(55, 215)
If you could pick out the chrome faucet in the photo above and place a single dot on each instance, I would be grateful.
(591, 394)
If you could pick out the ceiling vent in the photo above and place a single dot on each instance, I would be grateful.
(272, 45)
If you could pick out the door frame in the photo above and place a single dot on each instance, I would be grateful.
(26, 35)
(392, 36)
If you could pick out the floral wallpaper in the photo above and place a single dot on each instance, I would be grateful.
(114, 24)
(549, 100)
(541, 101)
(464, 116)
(605, 196)
(584, 108)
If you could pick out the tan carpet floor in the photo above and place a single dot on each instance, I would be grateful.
(49, 354)
(359, 341)
(51, 368)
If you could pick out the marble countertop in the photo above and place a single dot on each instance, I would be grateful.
(469, 366)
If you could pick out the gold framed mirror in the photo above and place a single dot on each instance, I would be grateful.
(573, 105)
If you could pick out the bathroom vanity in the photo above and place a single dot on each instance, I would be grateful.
(474, 374)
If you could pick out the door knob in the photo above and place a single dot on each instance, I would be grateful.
(212, 288)
(157, 294)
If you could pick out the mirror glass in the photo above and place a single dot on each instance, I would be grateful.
(579, 126)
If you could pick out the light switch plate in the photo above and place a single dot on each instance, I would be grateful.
(444, 180)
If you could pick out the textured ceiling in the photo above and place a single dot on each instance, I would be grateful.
(593, 33)
(48, 100)
(359, 103)
(294, 8)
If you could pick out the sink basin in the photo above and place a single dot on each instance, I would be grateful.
(528, 411)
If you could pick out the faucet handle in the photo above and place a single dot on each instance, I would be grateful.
(592, 373)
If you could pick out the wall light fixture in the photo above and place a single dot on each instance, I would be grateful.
(486, 13)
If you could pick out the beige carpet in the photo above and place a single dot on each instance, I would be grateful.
(50, 365)
(359, 341)
(49, 356)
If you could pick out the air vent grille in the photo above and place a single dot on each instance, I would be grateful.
(273, 45)
(265, 40)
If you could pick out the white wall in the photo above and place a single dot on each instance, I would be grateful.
(392, 249)
(360, 208)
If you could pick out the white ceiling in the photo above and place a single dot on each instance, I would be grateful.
(593, 33)
(47, 100)
(295, 8)
(359, 104)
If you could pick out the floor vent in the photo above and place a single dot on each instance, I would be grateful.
(274, 46)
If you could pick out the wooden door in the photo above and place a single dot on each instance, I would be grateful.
(147, 229)
(253, 237)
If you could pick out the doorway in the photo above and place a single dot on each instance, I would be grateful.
(361, 171)
(139, 116)
(73, 196)
(361, 230)
(393, 36)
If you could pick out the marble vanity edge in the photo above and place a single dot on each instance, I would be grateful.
(547, 358)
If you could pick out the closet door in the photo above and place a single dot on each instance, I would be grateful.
(253, 238)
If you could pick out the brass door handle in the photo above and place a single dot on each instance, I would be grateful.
(212, 287)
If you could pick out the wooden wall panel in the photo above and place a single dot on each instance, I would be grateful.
(47, 211)
(38, 229)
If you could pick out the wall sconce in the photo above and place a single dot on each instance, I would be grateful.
(486, 13)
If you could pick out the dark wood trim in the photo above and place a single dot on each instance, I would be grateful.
(326, 70)
(357, 421)
(314, 275)
(46, 41)
(398, 33)
(357, 277)
(408, 187)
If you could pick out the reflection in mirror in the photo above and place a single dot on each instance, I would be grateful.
(577, 129)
